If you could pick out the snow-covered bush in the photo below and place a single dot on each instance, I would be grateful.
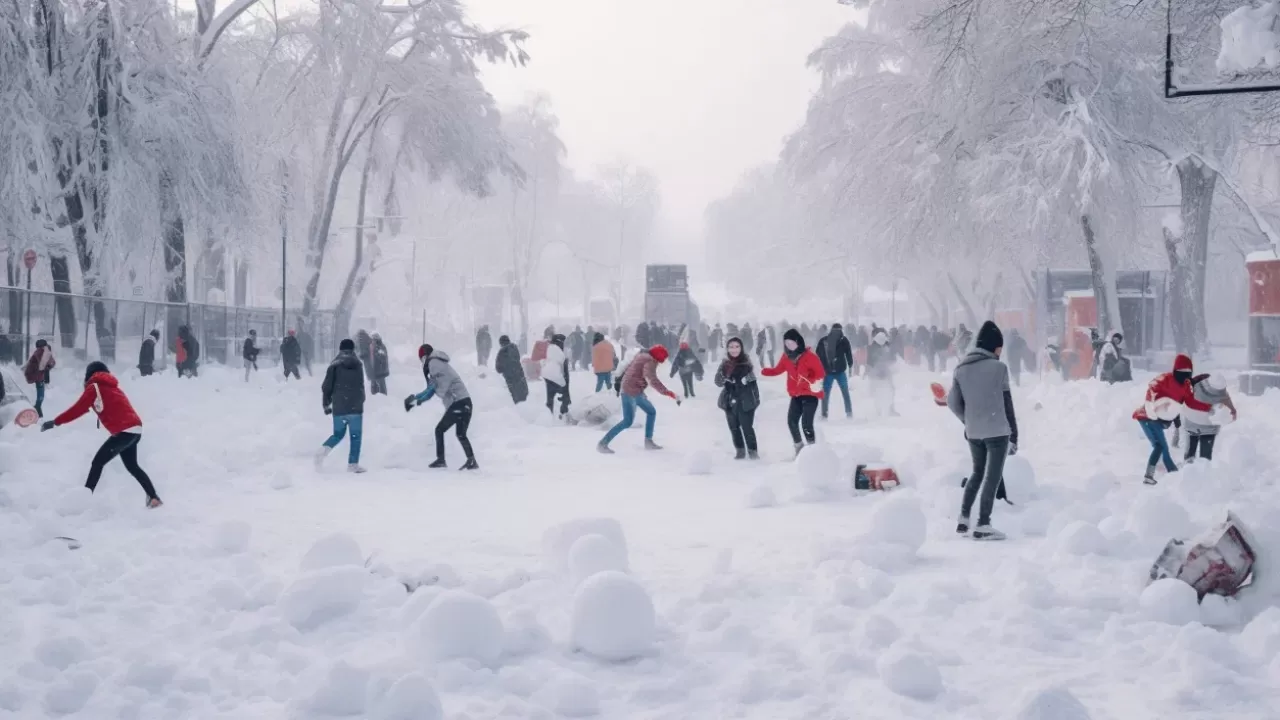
(613, 617)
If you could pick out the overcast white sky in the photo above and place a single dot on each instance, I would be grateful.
(697, 90)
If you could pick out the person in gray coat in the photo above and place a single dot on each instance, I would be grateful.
(980, 397)
(1199, 427)
(443, 380)
(342, 396)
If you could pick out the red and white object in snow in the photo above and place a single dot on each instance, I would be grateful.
(1218, 562)
(875, 477)
(939, 394)
(16, 407)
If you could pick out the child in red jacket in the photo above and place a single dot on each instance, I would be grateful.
(102, 394)
(1166, 396)
(803, 369)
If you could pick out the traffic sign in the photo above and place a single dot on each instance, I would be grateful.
(29, 259)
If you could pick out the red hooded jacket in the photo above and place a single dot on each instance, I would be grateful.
(1165, 385)
(801, 374)
(102, 394)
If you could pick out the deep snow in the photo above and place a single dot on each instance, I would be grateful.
(266, 590)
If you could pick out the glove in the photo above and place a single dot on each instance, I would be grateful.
(328, 410)
(1013, 449)
(678, 401)
(410, 403)
(46, 425)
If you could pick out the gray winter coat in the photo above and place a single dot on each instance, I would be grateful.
(343, 388)
(440, 373)
(980, 397)
(1196, 422)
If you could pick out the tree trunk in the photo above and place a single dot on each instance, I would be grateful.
(1179, 297)
(359, 268)
(969, 314)
(16, 307)
(1197, 182)
(60, 271)
(1102, 294)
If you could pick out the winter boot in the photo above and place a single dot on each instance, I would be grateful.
(1150, 477)
(962, 526)
(321, 455)
(740, 454)
(470, 464)
(439, 463)
(799, 447)
(649, 444)
(986, 532)
(603, 449)
(355, 469)
(154, 503)
(753, 455)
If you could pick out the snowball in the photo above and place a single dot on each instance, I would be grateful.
(1219, 611)
(335, 550)
(1156, 517)
(232, 537)
(899, 520)
(909, 674)
(577, 698)
(1052, 704)
(341, 692)
(320, 596)
(1019, 479)
(880, 631)
(410, 698)
(74, 502)
(761, 496)
(1170, 601)
(699, 462)
(1081, 538)
(594, 553)
(818, 468)
(557, 540)
(281, 480)
(459, 624)
(612, 618)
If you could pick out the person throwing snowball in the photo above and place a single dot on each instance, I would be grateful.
(804, 371)
(443, 381)
(640, 374)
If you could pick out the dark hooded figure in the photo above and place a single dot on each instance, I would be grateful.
(147, 354)
(836, 355)
(484, 345)
(507, 363)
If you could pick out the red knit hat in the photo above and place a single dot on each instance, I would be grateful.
(659, 353)
(1182, 363)
(424, 350)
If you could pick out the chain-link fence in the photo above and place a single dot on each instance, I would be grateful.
(113, 330)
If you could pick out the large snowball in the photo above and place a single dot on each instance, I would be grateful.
(1156, 517)
(818, 468)
(557, 540)
(334, 550)
(1082, 538)
(761, 496)
(699, 462)
(1261, 637)
(1219, 611)
(458, 624)
(1170, 601)
(1052, 704)
(594, 553)
(1019, 479)
(317, 597)
(910, 674)
(410, 698)
(899, 520)
(613, 617)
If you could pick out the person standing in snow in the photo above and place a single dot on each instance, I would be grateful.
(39, 371)
(620, 334)
(880, 359)
(716, 341)
(342, 396)
(603, 362)
(641, 374)
(443, 380)
(837, 357)
(1167, 396)
(147, 354)
(1201, 430)
(381, 365)
(103, 395)
(555, 373)
(982, 399)
(686, 364)
(963, 339)
(187, 353)
(577, 348)
(1016, 355)
(739, 398)
(364, 353)
(1113, 366)
(249, 351)
(804, 371)
(290, 355)
(643, 335)
(507, 363)
(484, 344)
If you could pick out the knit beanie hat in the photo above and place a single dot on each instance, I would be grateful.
(347, 344)
(659, 353)
(1182, 363)
(989, 337)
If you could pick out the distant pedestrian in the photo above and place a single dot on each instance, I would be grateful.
(484, 344)
(508, 365)
(381, 365)
(603, 362)
(739, 398)
(804, 371)
(250, 353)
(555, 373)
(640, 375)
(688, 366)
(836, 355)
(39, 371)
(147, 354)
(290, 355)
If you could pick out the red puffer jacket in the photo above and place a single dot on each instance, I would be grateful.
(1165, 385)
(102, 394)
(801, 374)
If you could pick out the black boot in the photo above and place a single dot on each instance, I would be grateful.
(470, 464)
(439, 463)
(741, 454)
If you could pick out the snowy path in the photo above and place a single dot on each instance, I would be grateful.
(772, 613)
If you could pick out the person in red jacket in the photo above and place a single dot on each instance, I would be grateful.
(803, 370)
(1166, 395)
(102, 394)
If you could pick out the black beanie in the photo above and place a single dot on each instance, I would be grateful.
(989, 337)
(95, 367)
(347, 344)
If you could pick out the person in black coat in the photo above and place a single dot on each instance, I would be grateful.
(836, 355)
(643, 336)
(291, 355)
(380, 360)
(507, 363)
(484, 345)
(250, 353)
(686, 363)
(342, 396)
(147, 354)
(739, 398)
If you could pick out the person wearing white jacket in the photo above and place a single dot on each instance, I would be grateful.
(555, 373)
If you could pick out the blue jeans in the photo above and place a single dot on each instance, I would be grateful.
(604, 381)
(40, 399)
(842, 379)
(1159, 445)
(341, 423)
(629, 405)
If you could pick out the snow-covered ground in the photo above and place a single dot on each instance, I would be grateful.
(706, 588)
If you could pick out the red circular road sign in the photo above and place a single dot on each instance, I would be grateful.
(29, 259)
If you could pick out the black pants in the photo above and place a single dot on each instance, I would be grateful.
(146, 370)
(988, 471)
(519, 388)
(291, 368)
(742, 426)
(933, 361)
(1202, 442)
(456, 415)
(552, 391)
(125, 445)
(687, 381)
(377, 386)
(800, 415)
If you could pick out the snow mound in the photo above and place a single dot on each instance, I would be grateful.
(1249, 40)
(761, 496)
(1082, 538)
(1019, 479)
(1156, 517)
(577, 698)
(909, 674)
(232, 537)
(458, 624)
(899, 520)
(336, 550)
(613, 617)
(1261, 637)
(558, 540)
(1218, 611)
(411, 698)
(1052, 704)
(1170, 601)
(282, 480)
(818, 468)
(322, 595)
(341, 692)
(699, 462)
(594, 553)
(74, 502)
